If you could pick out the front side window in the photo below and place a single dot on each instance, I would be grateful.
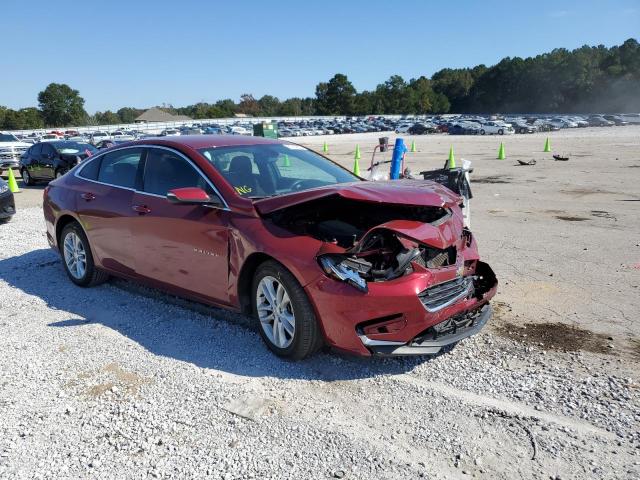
(120, 167)
(257, 171)
(165, 170)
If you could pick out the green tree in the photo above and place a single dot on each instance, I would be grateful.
(269, 105)
(128, 114)
(61, 106)
(248, 105)
(335, 97)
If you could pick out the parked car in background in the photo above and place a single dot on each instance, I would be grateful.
(110, 143)
(616, 119)
(11, 148)
(404, 128)
(7, 203)
(421, 129)
(493, 128)
(600, 121)
(46, 161)
(170, 132)
(520, 126)
(96, 137)
(317, 255)
(50, 137)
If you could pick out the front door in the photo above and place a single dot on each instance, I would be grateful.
(182, 246)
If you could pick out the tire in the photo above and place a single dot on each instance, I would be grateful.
(59, 173)
(522, 130)
(306, 338)
(482, 132)
(26, 177)
(91, 275)
(500, 132)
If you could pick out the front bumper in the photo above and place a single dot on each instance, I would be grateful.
(396, 317)
(7, 205)
(432, 344)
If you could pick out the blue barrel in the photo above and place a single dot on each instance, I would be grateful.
(399, 150)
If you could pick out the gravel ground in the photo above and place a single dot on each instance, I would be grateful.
(119, 382)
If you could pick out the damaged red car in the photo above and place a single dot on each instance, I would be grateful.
(318, 256)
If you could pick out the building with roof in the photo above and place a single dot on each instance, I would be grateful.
(156, 114)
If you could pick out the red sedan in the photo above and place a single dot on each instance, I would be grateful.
(317, 255)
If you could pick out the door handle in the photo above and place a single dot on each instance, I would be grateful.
(88, 196)
(141, 209)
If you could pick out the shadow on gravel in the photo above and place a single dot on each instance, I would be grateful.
(208, 338)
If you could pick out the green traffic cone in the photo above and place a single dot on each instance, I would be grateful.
(547, 145)
(325, 147)
(356, 167)
(452, 158)
(13, 185)
(501, 155)
(287, 162)
(413, 146)
(357, 156)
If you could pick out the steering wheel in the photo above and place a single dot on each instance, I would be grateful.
(303, 184)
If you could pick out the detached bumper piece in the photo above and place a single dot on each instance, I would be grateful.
(431, 341)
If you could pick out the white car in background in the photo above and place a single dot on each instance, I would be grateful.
(122, 136)
(563, 123)
(404, 128)
(499, 128)
(98, 137)
(237, 130)
(49, 137)
(170, 132)
(10, 150)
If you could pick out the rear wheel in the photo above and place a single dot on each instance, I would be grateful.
(77, 258)
(60, 173)
(26, 177)
(287, 322)
(500, 132)
(482, 132)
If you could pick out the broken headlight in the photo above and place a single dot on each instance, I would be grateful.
(340, 268)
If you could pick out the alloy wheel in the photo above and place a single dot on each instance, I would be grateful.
(75, 255)
(275, 312)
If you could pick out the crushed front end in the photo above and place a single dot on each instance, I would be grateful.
(399, 278)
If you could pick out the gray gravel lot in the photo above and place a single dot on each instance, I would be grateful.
(124, 382)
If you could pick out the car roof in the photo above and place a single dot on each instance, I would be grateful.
(197, 142)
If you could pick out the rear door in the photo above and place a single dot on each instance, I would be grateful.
(31, 160)
(104, 206)
(182, 246)
(47, 158)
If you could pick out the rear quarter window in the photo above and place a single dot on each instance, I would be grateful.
(90, 169)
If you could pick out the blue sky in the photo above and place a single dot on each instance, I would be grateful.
(143, 53)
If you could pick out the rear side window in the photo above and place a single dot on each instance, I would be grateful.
(120, 168)
(90, 169)
(165, 170)
(36, 149)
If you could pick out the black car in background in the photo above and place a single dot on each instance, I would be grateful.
(45, 161)
(7, 205)
(421, 129)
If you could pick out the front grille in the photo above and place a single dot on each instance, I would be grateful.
(444, 294)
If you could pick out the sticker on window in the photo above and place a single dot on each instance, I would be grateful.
(242, 190)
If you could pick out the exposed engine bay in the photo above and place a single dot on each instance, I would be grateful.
(358, 257)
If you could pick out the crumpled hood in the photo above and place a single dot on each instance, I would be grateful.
(407, 192)
(439, 236)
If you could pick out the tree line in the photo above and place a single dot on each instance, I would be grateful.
(587, 79)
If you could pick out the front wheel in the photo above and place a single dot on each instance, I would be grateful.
(482, 132)
(287, 322)
(500, 132)
(77, 258)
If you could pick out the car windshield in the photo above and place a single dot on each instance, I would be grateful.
(72, 148)
(258, 171)
(7, 137)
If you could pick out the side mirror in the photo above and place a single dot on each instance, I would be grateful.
(190, 196)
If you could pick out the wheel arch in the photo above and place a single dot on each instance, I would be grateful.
(62, 222)
(245, 279)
